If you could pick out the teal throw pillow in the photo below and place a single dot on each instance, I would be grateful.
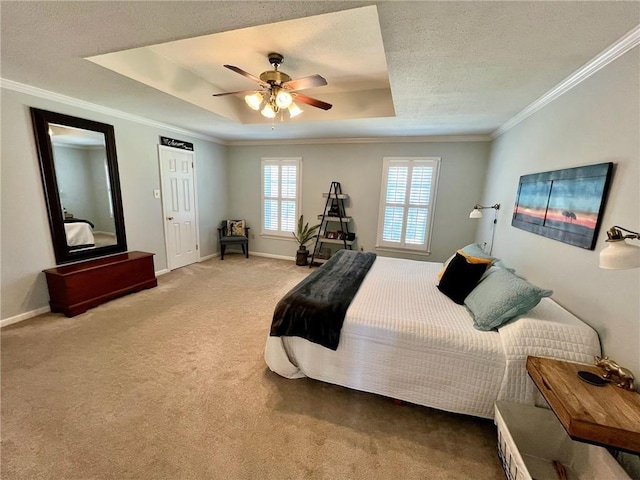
(501, 296)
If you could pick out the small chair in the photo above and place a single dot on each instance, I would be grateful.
(229, 234)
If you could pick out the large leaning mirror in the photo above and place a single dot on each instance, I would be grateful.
(81, 185)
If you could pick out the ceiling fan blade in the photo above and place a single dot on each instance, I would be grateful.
(314, 102)
(305, 82)
(246, 74)
(241, 92)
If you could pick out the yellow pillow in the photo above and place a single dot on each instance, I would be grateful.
(469, 259)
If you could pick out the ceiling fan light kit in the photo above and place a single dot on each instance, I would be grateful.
(278, 90)
(283, 99)
(268, 111)
(294, 110)
(254, 100)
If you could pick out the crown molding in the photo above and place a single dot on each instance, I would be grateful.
(74, 102)
(66, 100)
(630, 40)
(324, 141)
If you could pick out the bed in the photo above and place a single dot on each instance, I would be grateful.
(404, 339)
(79, 233)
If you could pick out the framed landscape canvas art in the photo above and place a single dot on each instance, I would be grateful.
(564, 205)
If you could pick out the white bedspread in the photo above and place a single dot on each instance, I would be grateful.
(78, 233)
(404, 339)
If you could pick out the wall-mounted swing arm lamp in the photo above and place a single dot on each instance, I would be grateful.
(619, 255)
(477, 210)
(477, 213)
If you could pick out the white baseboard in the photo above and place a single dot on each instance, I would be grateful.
(257, 254)
(209, 257)
(39, 311)
(270, 255)
(24, 316)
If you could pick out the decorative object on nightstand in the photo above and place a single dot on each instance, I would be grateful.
(619, 255)
(621, 376)
(333, 215)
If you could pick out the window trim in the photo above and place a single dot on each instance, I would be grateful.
(280, 161)
(431, 207)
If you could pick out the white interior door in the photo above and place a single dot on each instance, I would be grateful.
(178, 205)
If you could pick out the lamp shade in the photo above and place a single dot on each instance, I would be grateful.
(268, 111)
(254, 100)
(283, 99)
(619, 255)
(294, 110)
(475, 213)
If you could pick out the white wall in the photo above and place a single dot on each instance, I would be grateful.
(597, 121)
(26, 247)
(358, 167)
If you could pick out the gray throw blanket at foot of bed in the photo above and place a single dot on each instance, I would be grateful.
(315, 308)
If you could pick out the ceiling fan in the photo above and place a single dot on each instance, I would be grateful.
(277, 90)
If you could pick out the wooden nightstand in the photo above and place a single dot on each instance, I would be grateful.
(607, 416)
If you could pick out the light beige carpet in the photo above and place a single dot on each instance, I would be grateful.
(170, 383)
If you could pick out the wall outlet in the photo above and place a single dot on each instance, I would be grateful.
(156, 194)
(253, 236)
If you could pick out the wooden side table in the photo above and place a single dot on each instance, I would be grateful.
(607, 415)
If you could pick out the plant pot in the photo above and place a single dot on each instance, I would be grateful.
(301, 256)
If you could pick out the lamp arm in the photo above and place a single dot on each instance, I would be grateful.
(614, 233)
(480, 207)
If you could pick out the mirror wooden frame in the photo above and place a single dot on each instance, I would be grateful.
(41, 120)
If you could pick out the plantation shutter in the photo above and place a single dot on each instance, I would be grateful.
(280, 192)
(407, 199)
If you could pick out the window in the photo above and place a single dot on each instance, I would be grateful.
(407, 203)
(280, 195)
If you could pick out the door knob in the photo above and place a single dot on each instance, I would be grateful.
(169, 218)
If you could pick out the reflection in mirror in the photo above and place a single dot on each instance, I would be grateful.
(80, 176)
(80, 160)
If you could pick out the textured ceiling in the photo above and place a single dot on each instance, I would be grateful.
(453, 67)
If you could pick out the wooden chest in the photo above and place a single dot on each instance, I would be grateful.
(75, 288)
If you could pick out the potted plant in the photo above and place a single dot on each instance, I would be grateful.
(304, 235)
